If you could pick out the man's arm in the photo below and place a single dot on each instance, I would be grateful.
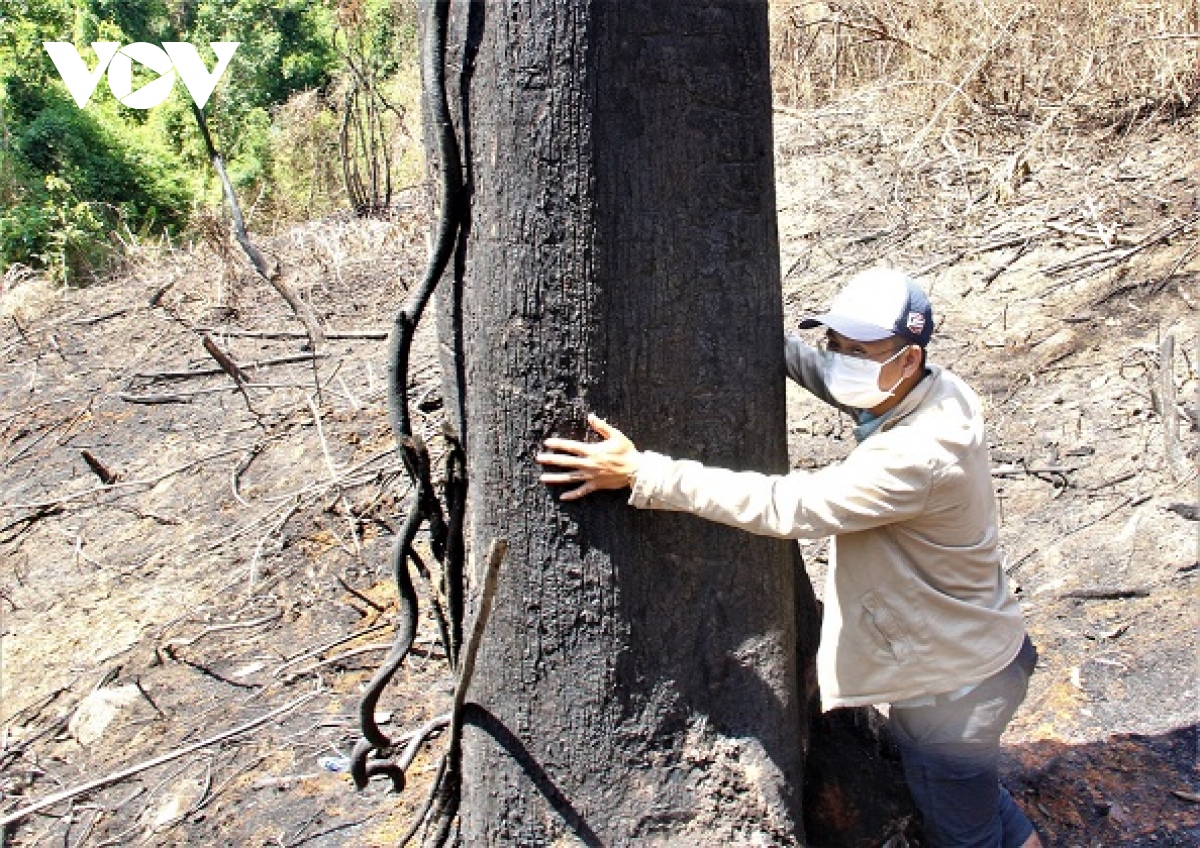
(875, 485)
(804, 366)
(870, 488)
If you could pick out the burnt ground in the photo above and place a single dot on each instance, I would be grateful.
(238, 563)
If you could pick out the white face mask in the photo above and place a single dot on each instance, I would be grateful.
(855, 382)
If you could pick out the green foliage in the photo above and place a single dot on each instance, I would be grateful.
(72, 175)
(71, 178)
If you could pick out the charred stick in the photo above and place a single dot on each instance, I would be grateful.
(1181, 468)
(1116, 594)
(231, 368)
(224, 360)
(375, 606)
(448, 787)
(210, 372)
(316, 652)
(171, 652)
(345, 335)
(137, 681)
(106, 476)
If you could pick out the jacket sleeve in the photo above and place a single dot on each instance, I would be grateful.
(872, 487)
(804, 366)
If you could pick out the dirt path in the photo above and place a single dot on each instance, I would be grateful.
(244, 533)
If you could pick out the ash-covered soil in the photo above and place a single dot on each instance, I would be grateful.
(239, 561)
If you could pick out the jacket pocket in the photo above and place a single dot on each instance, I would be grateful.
(885, 627)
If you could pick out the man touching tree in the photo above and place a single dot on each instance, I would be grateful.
(918, 614)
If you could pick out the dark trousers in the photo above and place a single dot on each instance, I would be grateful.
(951, 752)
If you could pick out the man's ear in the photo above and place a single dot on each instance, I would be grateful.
(912, 361)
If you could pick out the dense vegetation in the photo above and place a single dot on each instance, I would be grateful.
(75, 183)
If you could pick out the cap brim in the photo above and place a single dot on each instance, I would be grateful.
(859, 331)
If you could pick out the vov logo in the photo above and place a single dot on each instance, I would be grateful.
(173, 57)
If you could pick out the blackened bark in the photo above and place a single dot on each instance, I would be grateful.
(638, 681)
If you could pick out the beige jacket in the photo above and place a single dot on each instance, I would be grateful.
(916, 600)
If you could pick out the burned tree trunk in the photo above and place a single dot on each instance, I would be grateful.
(639, 680)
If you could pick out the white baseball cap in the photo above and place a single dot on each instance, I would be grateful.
(877, 304)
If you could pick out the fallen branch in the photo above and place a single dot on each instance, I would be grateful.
(1117, 594)
(221, 628)
(107, 477)
(124, 774)
(213, 372)
(377, 607)
(45, 434)
(1110, 257)
(150, 400)
(364, 335)
(224, 360)
(990, 276)
(231, 368)
(338, 658)
(316, 652)
(87, 322)
(1181, 468)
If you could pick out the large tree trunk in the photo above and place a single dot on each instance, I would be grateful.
(639, 681)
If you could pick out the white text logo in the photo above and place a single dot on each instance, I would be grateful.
(172, 57)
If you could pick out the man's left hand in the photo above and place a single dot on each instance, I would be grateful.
(609, 464)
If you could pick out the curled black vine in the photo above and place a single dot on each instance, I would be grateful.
(442, 512)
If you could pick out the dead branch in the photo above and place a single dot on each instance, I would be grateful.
(106, 476)
(1112, 481)
(88, 322)
(20, 525)
(235, 373)
(448, 786)
(235, 475)
(212, 372)
(182, 397)
(1181, 468)
(332, 335)
(269, 270)
(222, 628)
(1108, 258)
(991, 276)
(137, 681)
(38, 440)
(124, 774)
(338, 658)
(224, 360)
(171, 652)
(1115, 594)
(359, 595)
(316, 652)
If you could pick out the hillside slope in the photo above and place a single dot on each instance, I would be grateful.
(239, 561)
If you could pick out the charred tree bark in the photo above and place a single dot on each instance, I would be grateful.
(641, 676)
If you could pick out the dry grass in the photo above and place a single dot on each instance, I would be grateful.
(1109, 59)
